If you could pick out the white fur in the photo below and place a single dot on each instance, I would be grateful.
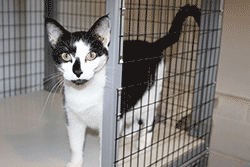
(84, 103)
(84, 109)
(145, 109)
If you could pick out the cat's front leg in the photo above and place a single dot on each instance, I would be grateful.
(76, 132)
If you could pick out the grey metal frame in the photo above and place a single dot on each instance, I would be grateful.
(113, 72)
(206, 72)
(207, 66)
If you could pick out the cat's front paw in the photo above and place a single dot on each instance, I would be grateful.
(71, 164)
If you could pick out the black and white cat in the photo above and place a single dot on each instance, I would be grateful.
(81, 58)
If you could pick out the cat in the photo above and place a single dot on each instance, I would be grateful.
(81, 58)
(146, 66)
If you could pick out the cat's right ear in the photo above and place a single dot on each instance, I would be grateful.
(55, 30)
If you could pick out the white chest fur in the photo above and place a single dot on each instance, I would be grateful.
(86, 101)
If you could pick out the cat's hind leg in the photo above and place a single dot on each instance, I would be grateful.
(134, 124)
(76, 132)
(147, 127)
(129, 128)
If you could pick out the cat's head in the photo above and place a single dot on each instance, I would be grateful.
(79, 55)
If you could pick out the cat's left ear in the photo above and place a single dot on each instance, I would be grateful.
(101, 30)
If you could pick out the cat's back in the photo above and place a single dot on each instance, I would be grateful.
(134, 51)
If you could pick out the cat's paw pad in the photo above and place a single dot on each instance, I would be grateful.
(71, 164)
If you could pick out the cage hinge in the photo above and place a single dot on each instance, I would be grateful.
(121, 35)
(123, 12)
(119, 116)
(121, 59)
(119, 91)
(123, 9)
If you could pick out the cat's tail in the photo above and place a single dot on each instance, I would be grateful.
(175, 30)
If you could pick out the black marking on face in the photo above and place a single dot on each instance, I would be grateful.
(96, 46)
(77, 68)
(79, 81)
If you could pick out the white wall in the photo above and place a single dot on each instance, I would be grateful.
(234, 65)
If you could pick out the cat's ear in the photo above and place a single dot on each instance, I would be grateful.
(101, 30)
(55, 30)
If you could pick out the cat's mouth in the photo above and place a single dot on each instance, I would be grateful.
(79, 81)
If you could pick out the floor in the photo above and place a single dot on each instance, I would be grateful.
(230, 142)
(37, 136)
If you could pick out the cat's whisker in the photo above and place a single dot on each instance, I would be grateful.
(55, 79)
(60, 69)
(60, 83)
(50, 77)
(46, 102)
(63, 84)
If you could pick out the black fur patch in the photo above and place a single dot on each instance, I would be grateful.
(141, 59)
(77, 67)
(140, 121)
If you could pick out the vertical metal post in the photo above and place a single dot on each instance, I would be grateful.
(113, 72)
(50, 10)
(22, 43)
(206, 67)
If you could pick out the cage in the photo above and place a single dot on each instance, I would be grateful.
(183, 114)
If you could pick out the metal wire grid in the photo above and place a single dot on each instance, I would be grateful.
(21, 47)
(201, 162)
(206, 71)
(77, 15)
(185, 110)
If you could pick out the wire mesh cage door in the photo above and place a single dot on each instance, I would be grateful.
(206, 69)
(183, 113)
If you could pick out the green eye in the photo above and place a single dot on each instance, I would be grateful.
(66, 57)
(91, 56)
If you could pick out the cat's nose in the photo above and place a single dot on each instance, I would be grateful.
(77, 68)
(78, 73)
